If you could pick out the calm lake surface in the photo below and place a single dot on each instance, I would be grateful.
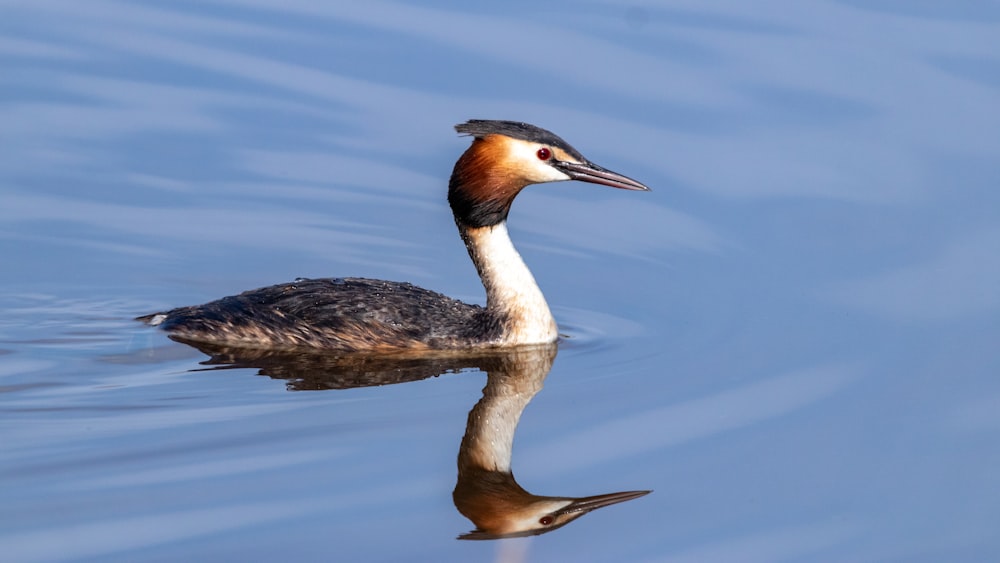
(793, 340)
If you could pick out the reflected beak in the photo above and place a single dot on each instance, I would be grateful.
(586, 504)
(590, 172)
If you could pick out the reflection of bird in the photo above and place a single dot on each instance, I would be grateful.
(364, 314)
(310, 369)
(486, 492)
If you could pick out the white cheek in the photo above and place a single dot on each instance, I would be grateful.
(529, 519)
(547, 173)
(539, 170)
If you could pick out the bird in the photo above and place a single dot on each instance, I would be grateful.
(377, 316)
(486, 492)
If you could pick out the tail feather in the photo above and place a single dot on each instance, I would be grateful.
(152, 319)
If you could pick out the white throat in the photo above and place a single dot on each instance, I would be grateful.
(511, 290)
(489, 435)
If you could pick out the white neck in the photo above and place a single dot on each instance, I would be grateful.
(511, 290)
(489, 438)
(510, 386)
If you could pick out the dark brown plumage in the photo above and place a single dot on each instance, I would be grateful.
(348, 314)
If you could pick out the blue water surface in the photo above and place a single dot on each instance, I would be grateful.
(792, 340)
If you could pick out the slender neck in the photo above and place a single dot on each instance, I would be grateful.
(512, 295)
(486, 491)
(510, 386)
(489, 436)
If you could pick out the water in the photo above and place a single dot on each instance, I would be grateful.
(792, 340)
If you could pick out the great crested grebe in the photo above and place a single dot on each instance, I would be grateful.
(358, 314)
(486, 491)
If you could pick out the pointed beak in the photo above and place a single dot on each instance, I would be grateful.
(590, 172)
(586, 504)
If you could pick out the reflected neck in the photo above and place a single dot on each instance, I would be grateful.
(489, 434)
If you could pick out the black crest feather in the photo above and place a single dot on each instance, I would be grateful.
(480, 128)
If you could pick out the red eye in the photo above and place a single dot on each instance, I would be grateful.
(545, 520)
(544, 154)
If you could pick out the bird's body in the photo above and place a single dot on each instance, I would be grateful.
(334, 313)
(356, 314)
